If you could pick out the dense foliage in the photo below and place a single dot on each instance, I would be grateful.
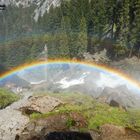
(75, 27)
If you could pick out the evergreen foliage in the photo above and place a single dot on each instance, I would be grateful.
(69, 30)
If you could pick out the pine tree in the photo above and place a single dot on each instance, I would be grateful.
(73, 46)
(82, 38)
(2, 55)
(63, 37)
(35, 50)
(74, 14)
(98, 14)
(111, 11)
(122, 27)
(134, 36)
(138, 26)
(11, 54)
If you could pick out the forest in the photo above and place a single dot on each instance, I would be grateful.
(70, 30)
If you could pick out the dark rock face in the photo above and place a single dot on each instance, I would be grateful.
(68, 136)
(114, 103)
(62, 136)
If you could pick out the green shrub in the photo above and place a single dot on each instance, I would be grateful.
(70, 122)
(7, 98)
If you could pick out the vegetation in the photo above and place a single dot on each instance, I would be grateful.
(95, 113)
(70, 122)
(7, 98)
(70, 30)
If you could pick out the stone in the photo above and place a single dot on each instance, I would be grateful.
(114, 103)
(112, 132)
(40, 104)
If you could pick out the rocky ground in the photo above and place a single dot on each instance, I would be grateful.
(13, 120)
(65, 117)
(42, 128)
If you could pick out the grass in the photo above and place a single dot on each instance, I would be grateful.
(7, 98)
(95, 113)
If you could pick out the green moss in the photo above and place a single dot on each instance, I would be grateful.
(7, 98)
(70, 122)
(39, 115)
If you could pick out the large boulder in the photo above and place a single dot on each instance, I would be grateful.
(11, 123)
(40, 104)
(114, 103)
(111, 132)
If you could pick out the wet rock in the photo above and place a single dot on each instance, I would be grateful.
(114, 103)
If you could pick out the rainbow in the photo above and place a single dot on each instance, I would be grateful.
(100, 67)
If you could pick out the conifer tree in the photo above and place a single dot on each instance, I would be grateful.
(35, 50)
(111, 11)
(122, 27)
(63, 37)
(134, 35)
(82, 37)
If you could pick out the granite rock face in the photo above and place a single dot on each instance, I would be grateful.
(42, 6)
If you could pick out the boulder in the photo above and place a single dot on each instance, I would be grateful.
(11, 123)
(111, 132)
(40, 104)
(114, 103)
